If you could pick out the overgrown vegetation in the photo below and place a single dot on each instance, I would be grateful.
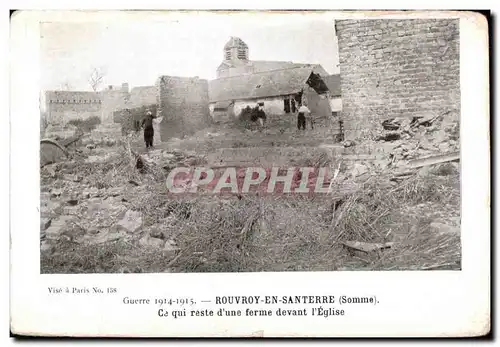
(87, 124)
(272, 233)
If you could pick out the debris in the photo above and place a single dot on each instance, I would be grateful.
(391, 124)
(433, 160)
(45, 223)
(46, 247)
(442, 228)
(359, 170)
(131, 221)
(55, 192)
(170, 247)
(348, 143)
(392, 136)
(366, 246)
(73, 178)
(72, 201)
(106, 235)
(51, 169)
(151, 242)
(57, 227)
(70, 210)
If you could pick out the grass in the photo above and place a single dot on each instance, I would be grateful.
(86, 125)
(272, 233)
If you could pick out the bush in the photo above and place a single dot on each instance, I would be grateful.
(86, 125)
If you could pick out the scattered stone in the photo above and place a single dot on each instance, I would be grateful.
(46, 247)
(445, 169)
(73, 178)
(424, 171)
(444, 147)
(106, 235)
(131, 221)
(51, 170)
(170, 247)
(55, 192)
(391, 124)
(367, 247)
(151, 242)
(426, 120)
(115, 191)
(48, 208)
(72, 201)
(90, 193)
(348, 143)
(45, 196)
(57, 227)
(93, 231)
(70, 210)
(156, 233)
(45, 223)
(358, 170)
(391, 136)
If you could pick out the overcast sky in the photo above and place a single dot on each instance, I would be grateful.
(142, 48)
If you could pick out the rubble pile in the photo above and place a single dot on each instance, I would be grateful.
(420, 136)
(91, 200)
(398, 141)
(60, 132)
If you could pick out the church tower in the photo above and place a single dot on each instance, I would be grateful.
(235, 49)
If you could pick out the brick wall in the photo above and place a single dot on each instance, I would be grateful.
(397, 68)
(183, 104)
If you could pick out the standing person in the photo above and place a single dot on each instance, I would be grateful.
(301, 117)
(149, 132)
(261, 114)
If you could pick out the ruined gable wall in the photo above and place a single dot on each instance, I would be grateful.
(183, 104)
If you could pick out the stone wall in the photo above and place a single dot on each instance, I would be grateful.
(141, 96)
(63, 106)
(397, 68)
(183, 104)
(112, 100)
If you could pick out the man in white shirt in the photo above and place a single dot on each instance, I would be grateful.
(301, 118)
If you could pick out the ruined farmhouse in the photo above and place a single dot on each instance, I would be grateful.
(280, 85)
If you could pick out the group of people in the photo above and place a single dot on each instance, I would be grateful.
(303, 116)
(258, 114)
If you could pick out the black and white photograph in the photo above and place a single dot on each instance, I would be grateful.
(306, 143)
(264, 172)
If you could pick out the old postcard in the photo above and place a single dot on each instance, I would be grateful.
(250, 173)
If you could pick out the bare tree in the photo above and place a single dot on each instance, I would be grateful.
(95, 78)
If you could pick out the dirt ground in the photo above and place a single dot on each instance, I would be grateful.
(102, 213)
